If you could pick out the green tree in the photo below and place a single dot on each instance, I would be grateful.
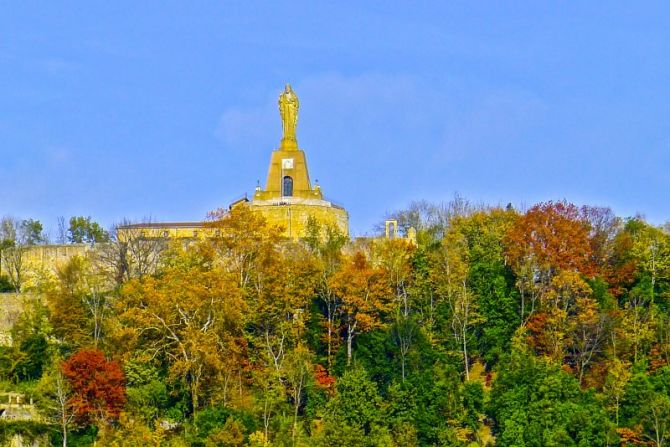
(31, 232)
(85, 230)
(646, 403)
(490, 278)
(355, 411)
(536, 404)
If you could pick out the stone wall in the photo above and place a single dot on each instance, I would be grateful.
(292, 214)
(12, 306)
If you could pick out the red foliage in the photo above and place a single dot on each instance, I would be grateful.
(98, 386)
(538, 338)
(323, 378)
(555, 235)
(656, 358)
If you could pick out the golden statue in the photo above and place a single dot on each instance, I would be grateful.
(288, 109)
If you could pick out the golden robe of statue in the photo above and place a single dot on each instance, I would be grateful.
(288, 109)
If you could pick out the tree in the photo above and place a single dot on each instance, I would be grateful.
(355, 412)
(129, 254)
(15, 238)
(98, 386)
(231, 435)
(15, 265)
(192, 317)
(75, 302)
(450, 279)
(298, 373)
(646, 404)
(651, 251)
(364, 294)
(326, 243)
(241, 239)
(431, 220)
(588, 334)
(30, 351)
(61, 235)
(394, 257)
(85, 230)
(31, 232)
(490, 278)
(618, 375)
(550, 237)
(534, 403)
(56, 400)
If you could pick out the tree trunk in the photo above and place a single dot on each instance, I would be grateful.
(350, 338)
(465, 356)
(330, 339)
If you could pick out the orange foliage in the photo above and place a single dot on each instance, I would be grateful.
(630, 437)
(323, 378)
(364, 294)
(364, 291)
(98, 386)
(553, 236)
(656, 358)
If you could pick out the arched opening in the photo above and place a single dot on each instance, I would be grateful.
(287, 187)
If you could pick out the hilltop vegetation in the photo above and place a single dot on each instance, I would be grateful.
(549, 327)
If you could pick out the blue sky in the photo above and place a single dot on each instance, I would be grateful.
(166, 110)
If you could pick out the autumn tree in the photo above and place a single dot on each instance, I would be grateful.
(241, 239)
(365, 297)
(57, 402)
(449, 273)
(588, 334)
(77, 302)
(550, 237)
(618, 375)
(97, 384)
(651, 251)
(325, 242)
(67, 312)
(191, 316)
(395, 257)
(298, 374)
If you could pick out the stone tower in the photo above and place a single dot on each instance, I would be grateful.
(289, 199)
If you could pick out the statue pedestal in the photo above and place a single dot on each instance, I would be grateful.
(288, 145)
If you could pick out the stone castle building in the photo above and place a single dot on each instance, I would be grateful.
(288, 200)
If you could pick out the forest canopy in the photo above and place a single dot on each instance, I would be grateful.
(543, 327)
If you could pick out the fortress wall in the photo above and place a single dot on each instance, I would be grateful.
(293, 218)
(12, 306)
(39, 261)
(50, 255)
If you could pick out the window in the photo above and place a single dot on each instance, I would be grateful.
(287, 189)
